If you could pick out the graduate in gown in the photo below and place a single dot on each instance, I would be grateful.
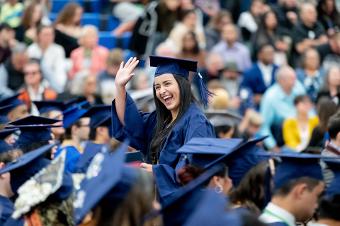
(100, 125)
(177, 118)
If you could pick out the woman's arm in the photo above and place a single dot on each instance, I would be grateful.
(123, 76)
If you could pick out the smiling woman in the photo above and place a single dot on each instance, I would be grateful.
(177, 117)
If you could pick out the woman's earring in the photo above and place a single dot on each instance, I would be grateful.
(219, 189)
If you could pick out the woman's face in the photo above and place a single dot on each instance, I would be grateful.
(334, 76)
(90, 85)
(190, 20)
(167, 91)
(77, 16)
(312, 61)
(271, 21)
(188, 42)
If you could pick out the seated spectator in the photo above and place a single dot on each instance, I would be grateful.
(7, 41)
(214, 28)
(220, 100)
(89, 56)
(249, 20)
(31, 20)
(11, 71)
(277, 104)
(311, 74)
(262, 74)
(286, 11)
(297, 130)
(328, 16)
(68, 28)
(51, 56)
(331, 85)
(325, 109)
(10, 13)
(85, 85)
(190, 49)
(231, 80)
(213, 64)
(250, 125)
(188, 22)
(271, 32)
(333, 146)
(308, 32)
(34, 88)
(46, 6)
(232, 50)
(330, 51)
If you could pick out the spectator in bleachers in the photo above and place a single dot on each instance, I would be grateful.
(333, 146)
(11, 71)
(262, 74)
(277, 105)
(46, 8)
(308, 32)
(220, 100)
(209, 8)
(287, 13)
(330, 51)
(11, 12)
(214, 28)
(325, 109)
(7, 41)
(271, 32)
(297, 130)
(89, 56)
(328, 16)
(310, 74)
(51, 56)
(249, 20)
(213, 64)
(250, 125)
(232, 50)
(68, 28)
(31, 20)
(331, 85)
(35, 89)
(188, 22)
(191, 50)
(85, 85)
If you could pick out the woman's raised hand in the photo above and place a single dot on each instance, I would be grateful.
(125, 72)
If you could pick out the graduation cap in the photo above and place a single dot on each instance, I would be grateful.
(10, 103)
(106, 177)
(49, 105)
(4, 146)
(73, 114)
(51, 182)
(242, 159)
(295, 165)
(211, 210)
(77, 101)
(26, 166)
(4, 110)
(220, 118)
(334, 187)
(34, 129)
(179, 67)
(100, 115)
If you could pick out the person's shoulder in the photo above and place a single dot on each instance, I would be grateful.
(289, 122)
(218, 46)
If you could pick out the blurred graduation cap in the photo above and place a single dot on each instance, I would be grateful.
(100, 115)
(295, 165)
(46, 106)
(179, 67)
(101, 184)
(73, 114)
(334, 187)
(34, 129)
(50, 182)
(4, 110)
(26, 166)
(77, 101)
(219, 118)
(4, 146)
(14, 101)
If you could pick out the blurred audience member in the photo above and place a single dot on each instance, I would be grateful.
(68, 28)
(85, 85)
(277, 104)
(214, 29)
(220, 99)
(190, 49)
(331, 85)
(311, 74)
(297, 130)
(51, 56)
(330, 52)
(232, 50)
(262, 74)
(89, 56)
(213, 64)
(328, 16)
(7, 41)
(35, 89)
(11, 71)
(286, 11)
(333, 146)
(250, 124)
(10, 13)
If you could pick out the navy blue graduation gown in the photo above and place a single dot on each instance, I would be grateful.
(6, 209)
(139, 129)
(278, 224)
(90, 150)
(15, 222)
(72, 157)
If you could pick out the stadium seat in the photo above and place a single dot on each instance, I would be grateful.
(91, 18)
(112, 23)
(107, 39)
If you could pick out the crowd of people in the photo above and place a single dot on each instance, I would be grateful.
(214, 113)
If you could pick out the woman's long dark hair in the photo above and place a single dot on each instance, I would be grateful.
(163, 126)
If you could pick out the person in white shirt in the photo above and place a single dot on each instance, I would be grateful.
(51, 56)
